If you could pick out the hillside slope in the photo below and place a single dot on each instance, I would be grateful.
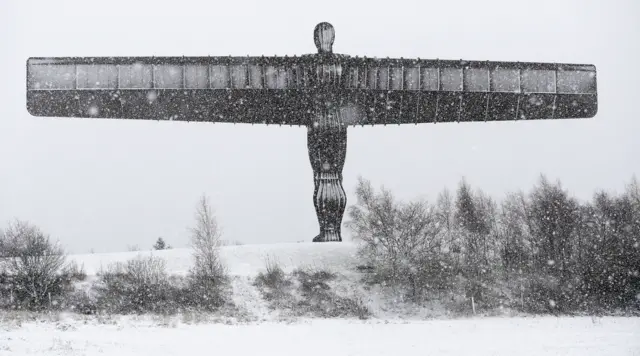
(244, 260)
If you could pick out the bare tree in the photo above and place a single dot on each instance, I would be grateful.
(133, 248)
(554, 221)
(445, 210)
(401, 241)
(488, 213)
(514, 231)
(206, 238)
(633, 191)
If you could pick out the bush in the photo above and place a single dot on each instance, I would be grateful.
(202, 292)
(274, 276)
(306, 293)
(142, 285)
(320, 300)
(81, 302)
(402, 242)
(35, 275)
(274, 283)
(75, 271)
(137, 286)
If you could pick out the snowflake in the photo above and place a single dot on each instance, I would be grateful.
(93, 110)
(552, 303)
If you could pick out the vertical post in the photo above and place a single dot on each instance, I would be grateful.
(473, 305)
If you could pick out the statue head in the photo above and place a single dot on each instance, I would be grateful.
(323, 36)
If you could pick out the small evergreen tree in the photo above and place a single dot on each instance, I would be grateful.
(160, 244)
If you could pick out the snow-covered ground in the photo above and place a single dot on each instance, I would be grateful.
(490, 336)
(388, 333)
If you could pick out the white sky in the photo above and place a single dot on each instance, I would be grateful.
(106, 184)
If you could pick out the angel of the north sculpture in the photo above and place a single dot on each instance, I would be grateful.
(324, 91)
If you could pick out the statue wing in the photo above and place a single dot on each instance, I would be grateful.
(405, 91)
(256, 90)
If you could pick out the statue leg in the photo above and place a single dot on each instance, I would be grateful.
(327, 144)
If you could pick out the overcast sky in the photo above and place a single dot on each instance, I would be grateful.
(107, 184)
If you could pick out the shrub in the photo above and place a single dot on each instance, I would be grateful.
(305, 292)
(75, 271)
(320, 300)
(137, 286)
(402, 242)
(35, 273)
(142, 285)
(201, 292)
(81, 302)
(274, 282)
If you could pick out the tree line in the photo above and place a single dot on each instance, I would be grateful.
(539, 251)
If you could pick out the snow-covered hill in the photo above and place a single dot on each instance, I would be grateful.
(244, 260)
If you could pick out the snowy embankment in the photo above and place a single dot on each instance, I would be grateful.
(242, 261)
(389, 332)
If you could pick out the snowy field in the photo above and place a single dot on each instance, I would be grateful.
(386, 334)
(490, 336)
